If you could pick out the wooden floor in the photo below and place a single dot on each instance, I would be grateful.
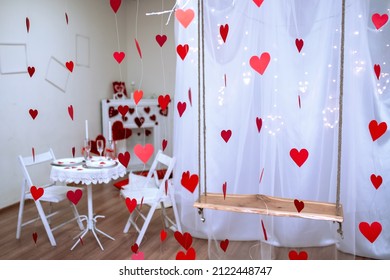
(108, 202)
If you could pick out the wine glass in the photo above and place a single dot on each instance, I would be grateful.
(100, 146)
(87, 148)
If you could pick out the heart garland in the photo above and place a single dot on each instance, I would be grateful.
(184, 239)
(181, 107)
(161, 39)
(379, 20)
(144, 152)
(131, 204)
(182, 50)
(377, 130)
(137, 96)
(69, 65)
(223, 31)
(226, 134)
(260, 63)
(119, 132)
(70, 111)
(33, 113)
(371, 232)
(31, 70)
(259, 123)
(299, 44)
(189, 181)
(124, 158)
(164, 144)
(258, 2)
(377, 70)
(36, 192)
(28, 24)
(299, 157)
(115, 4)
(119, 56)
(376, 180)
(163, 101)
(184, 16)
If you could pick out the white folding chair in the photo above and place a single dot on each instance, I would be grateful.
(53, 193)
(152, 193)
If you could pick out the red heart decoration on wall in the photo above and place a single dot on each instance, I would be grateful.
(377, 70)
(182, 51)
(258, 2)
(33, 113)
(259, 64)
(147, 110)
(36, 192)
(259, 123)
(115, 4)
(70, 111)
(119, 56)
(224, 244)
(35, 237)
(161, 39)
(28, 24)
(189, 255)
(137, 96)
(112, 112)
(184, 16)
(376, 180)
(224, 30)
(379, 20)
(181, 107)
(371, 232)
(164, 144)
(131, 204)
(31, 70)
(299, 205)
(69, 65)
(94, 144)
(377, 130)
(119, 132)
(163, 235)
(299, 44)
(299, 157)
(124, 158)
(74, 196)
(139, 121)
(123, 109)
(189, 181)
(163, 101)
(144, 152)
(226, 134)
(294, 255)
(185, 239)
(153, 117)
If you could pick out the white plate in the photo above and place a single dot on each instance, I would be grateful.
(100, 163)
(68, 161)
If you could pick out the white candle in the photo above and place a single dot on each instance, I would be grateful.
(109, 131)
(86, 129)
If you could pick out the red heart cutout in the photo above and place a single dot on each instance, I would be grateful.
(115, 4)
(224, 244)
(190, 255)
(224, 187)
(264, 230)
(147, 132)
(379, 20)
(73, 151)
(35, 237)
(94, 149)
(123, 109)
(161, 39)
(27, 24)
(299, 205)
(189, 181)
(164, 144)
(69, 65)
(144, 152)
(182, 51)
(147, 110)
(377, 70)
(119, 56)
(36, 192)
(139, 121)
(66, 18)
(181, 107)
(124, 158)
(163, 101)
(112, 112)
(258, 2)
(371, 232)
(134, 248)
(226, 134)
(131, 204)
(185, 239)
(224, 30)
(31, 70)
(299, 44)
(163, 235)
(153, 117)
(137, 96)
(376, 180)
(299, 157)
(293, 255)
(70, 111)
(33, 113)
(138, 48)
(259, 123)
(138, 256)
(119, 132)
(190, 96)
(184, 16)
(377, 130)
(259, 64)
(74, 196)
(131, 111)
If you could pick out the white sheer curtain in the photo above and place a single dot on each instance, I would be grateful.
(296, 98)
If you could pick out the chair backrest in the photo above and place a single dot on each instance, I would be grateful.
(161, 159)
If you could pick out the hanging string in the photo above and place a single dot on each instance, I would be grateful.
(199, 110)
(119, 46)
(204, 102)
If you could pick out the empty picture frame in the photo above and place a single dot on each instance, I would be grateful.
(82, 50)
(13, 58)
(57, 74)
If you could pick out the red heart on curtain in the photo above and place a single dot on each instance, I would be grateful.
(137, 96)
(144, 152)
(94, 144)
(377, 70)
(163, 101)
(294, 255)
(376, 180)
(115, 4)
(258, 2)
(259, 64)
(163, 235)
(299, 44)
(371, 232)
(189, 181)
(379, 20)
(112, 112)
(259, 123)
(224, 30)
(74, 196)
(185, 239)
(226, 134)
(119, 56)
(123, 110)
(70, 111)
(299, 205)
(181, 107)
(31, 70)
(139, 121)
(377, 130)
(224, 244)
(184, 16)
(161, 39)
(189, 255)
(33, 113)
(299, 157)
(36, 192)
(69, 65)
(134, 248)
(124, 158)
(119, 132)
(131, 204)
(182, 51)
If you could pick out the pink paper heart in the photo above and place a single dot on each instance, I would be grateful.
(184, 16)
(260, 64)
(137, 96)
(139, 256)
(161, 39)
(144, 152)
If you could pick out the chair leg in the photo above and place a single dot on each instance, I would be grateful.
(128, 223)
(176, 213)
(77, 216)
(146, 224)
(20, 219)
(164, 213)
(45, 223)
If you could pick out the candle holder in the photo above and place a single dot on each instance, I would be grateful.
(87, 148)
(110, 150)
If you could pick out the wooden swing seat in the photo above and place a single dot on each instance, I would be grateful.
(270, 205)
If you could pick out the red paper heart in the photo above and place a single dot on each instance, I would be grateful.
(35, 237)
(94, 149)
(259, 123)
(123, 109)
(299, 44)
(226, 134)
(163, 235)
(134, 248)
(70, 111)
(115, 4)
(377, 130)
(224, 187)
(184, 16)
(112, 112)
(131, 204)
(147, 110)
(69, 65)
(131, 111)
(138, 256)
(294, 255)
(137, 96)
(264, 230)
(138, 48)
(124, 158)
(33, 154)
(190, 96)
(164, 144)
(28, 24)
(153, 117)
(377, 70)
(119, 56)
(161, 39)
(189, 255)
(224, 244)
(371, 232)
(258, 2)
(189, 181)
(36, 192)
(66, 18)
(33, 113)
(73, 151)
(144, 152)
(31, 70)
(185, 239)
(376, 180)
(259, 64)
(224, 30)
(182, 51)
(163, 101)
(299, 205)
(379, 20)
(181, 107)
(74, 196)
(299, 157)
(119, 132)
(139, 121)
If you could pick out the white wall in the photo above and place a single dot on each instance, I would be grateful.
(50, 36)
